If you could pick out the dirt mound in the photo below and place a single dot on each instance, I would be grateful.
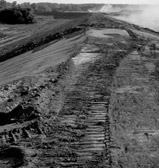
(18, 114)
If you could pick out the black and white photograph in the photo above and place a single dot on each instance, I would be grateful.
(79, 83)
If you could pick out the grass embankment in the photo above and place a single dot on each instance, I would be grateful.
(64, 15)
(44, 37)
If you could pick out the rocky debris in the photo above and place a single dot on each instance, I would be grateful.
(7, 91)
(17, 133)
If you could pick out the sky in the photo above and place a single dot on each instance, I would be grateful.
(92, 1)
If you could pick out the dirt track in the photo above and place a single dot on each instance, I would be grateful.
(97, 109)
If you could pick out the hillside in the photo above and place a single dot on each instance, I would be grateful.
(83, 94)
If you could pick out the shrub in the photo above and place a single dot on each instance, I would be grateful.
(17, 16)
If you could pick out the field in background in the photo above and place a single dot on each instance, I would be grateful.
(64, 15)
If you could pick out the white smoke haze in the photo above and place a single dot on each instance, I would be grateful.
(146, 16)
(110, 9)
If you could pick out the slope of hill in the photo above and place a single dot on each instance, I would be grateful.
(86, 99)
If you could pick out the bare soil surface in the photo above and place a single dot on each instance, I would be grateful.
(88, 100)
(36, 61)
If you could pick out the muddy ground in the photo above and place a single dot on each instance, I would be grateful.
(89, 100)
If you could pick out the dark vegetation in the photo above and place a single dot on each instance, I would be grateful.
(63, 15)
(17, 16)
(51, 7)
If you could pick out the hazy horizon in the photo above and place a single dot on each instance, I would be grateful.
(92, 1)
(147, 16)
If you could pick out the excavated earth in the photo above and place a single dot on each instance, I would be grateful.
(88, 100)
